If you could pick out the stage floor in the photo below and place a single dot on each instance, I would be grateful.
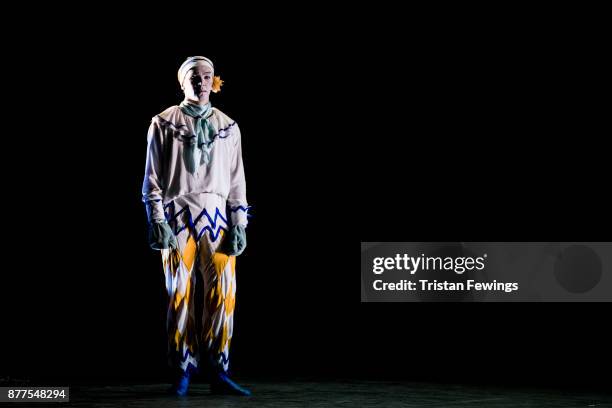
(350, 393)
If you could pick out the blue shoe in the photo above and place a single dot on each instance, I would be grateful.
(181, 385)
(222, 384)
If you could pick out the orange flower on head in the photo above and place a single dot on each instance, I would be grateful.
(217, 83)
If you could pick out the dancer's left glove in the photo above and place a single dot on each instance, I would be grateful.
(236, 241)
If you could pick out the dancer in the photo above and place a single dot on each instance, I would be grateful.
(194, 192)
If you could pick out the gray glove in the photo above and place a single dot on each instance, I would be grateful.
(236, 241)
(161, 236)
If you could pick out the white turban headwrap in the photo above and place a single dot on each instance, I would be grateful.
(190, 63)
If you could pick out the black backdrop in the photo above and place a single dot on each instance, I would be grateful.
(456, 138)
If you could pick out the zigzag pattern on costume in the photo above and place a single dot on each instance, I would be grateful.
(178, 128)
(241, 208)
(223, 358)
(213, 229)
(187, 360)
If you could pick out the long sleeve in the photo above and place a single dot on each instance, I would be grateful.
(152, 188)
(237, 200)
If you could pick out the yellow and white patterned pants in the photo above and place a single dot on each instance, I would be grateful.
(199, 231)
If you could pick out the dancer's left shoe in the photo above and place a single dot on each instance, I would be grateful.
(222, 384)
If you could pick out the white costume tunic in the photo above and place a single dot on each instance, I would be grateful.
(167, 177)
(194, 205)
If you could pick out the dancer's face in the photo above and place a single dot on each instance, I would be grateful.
(198, 83)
